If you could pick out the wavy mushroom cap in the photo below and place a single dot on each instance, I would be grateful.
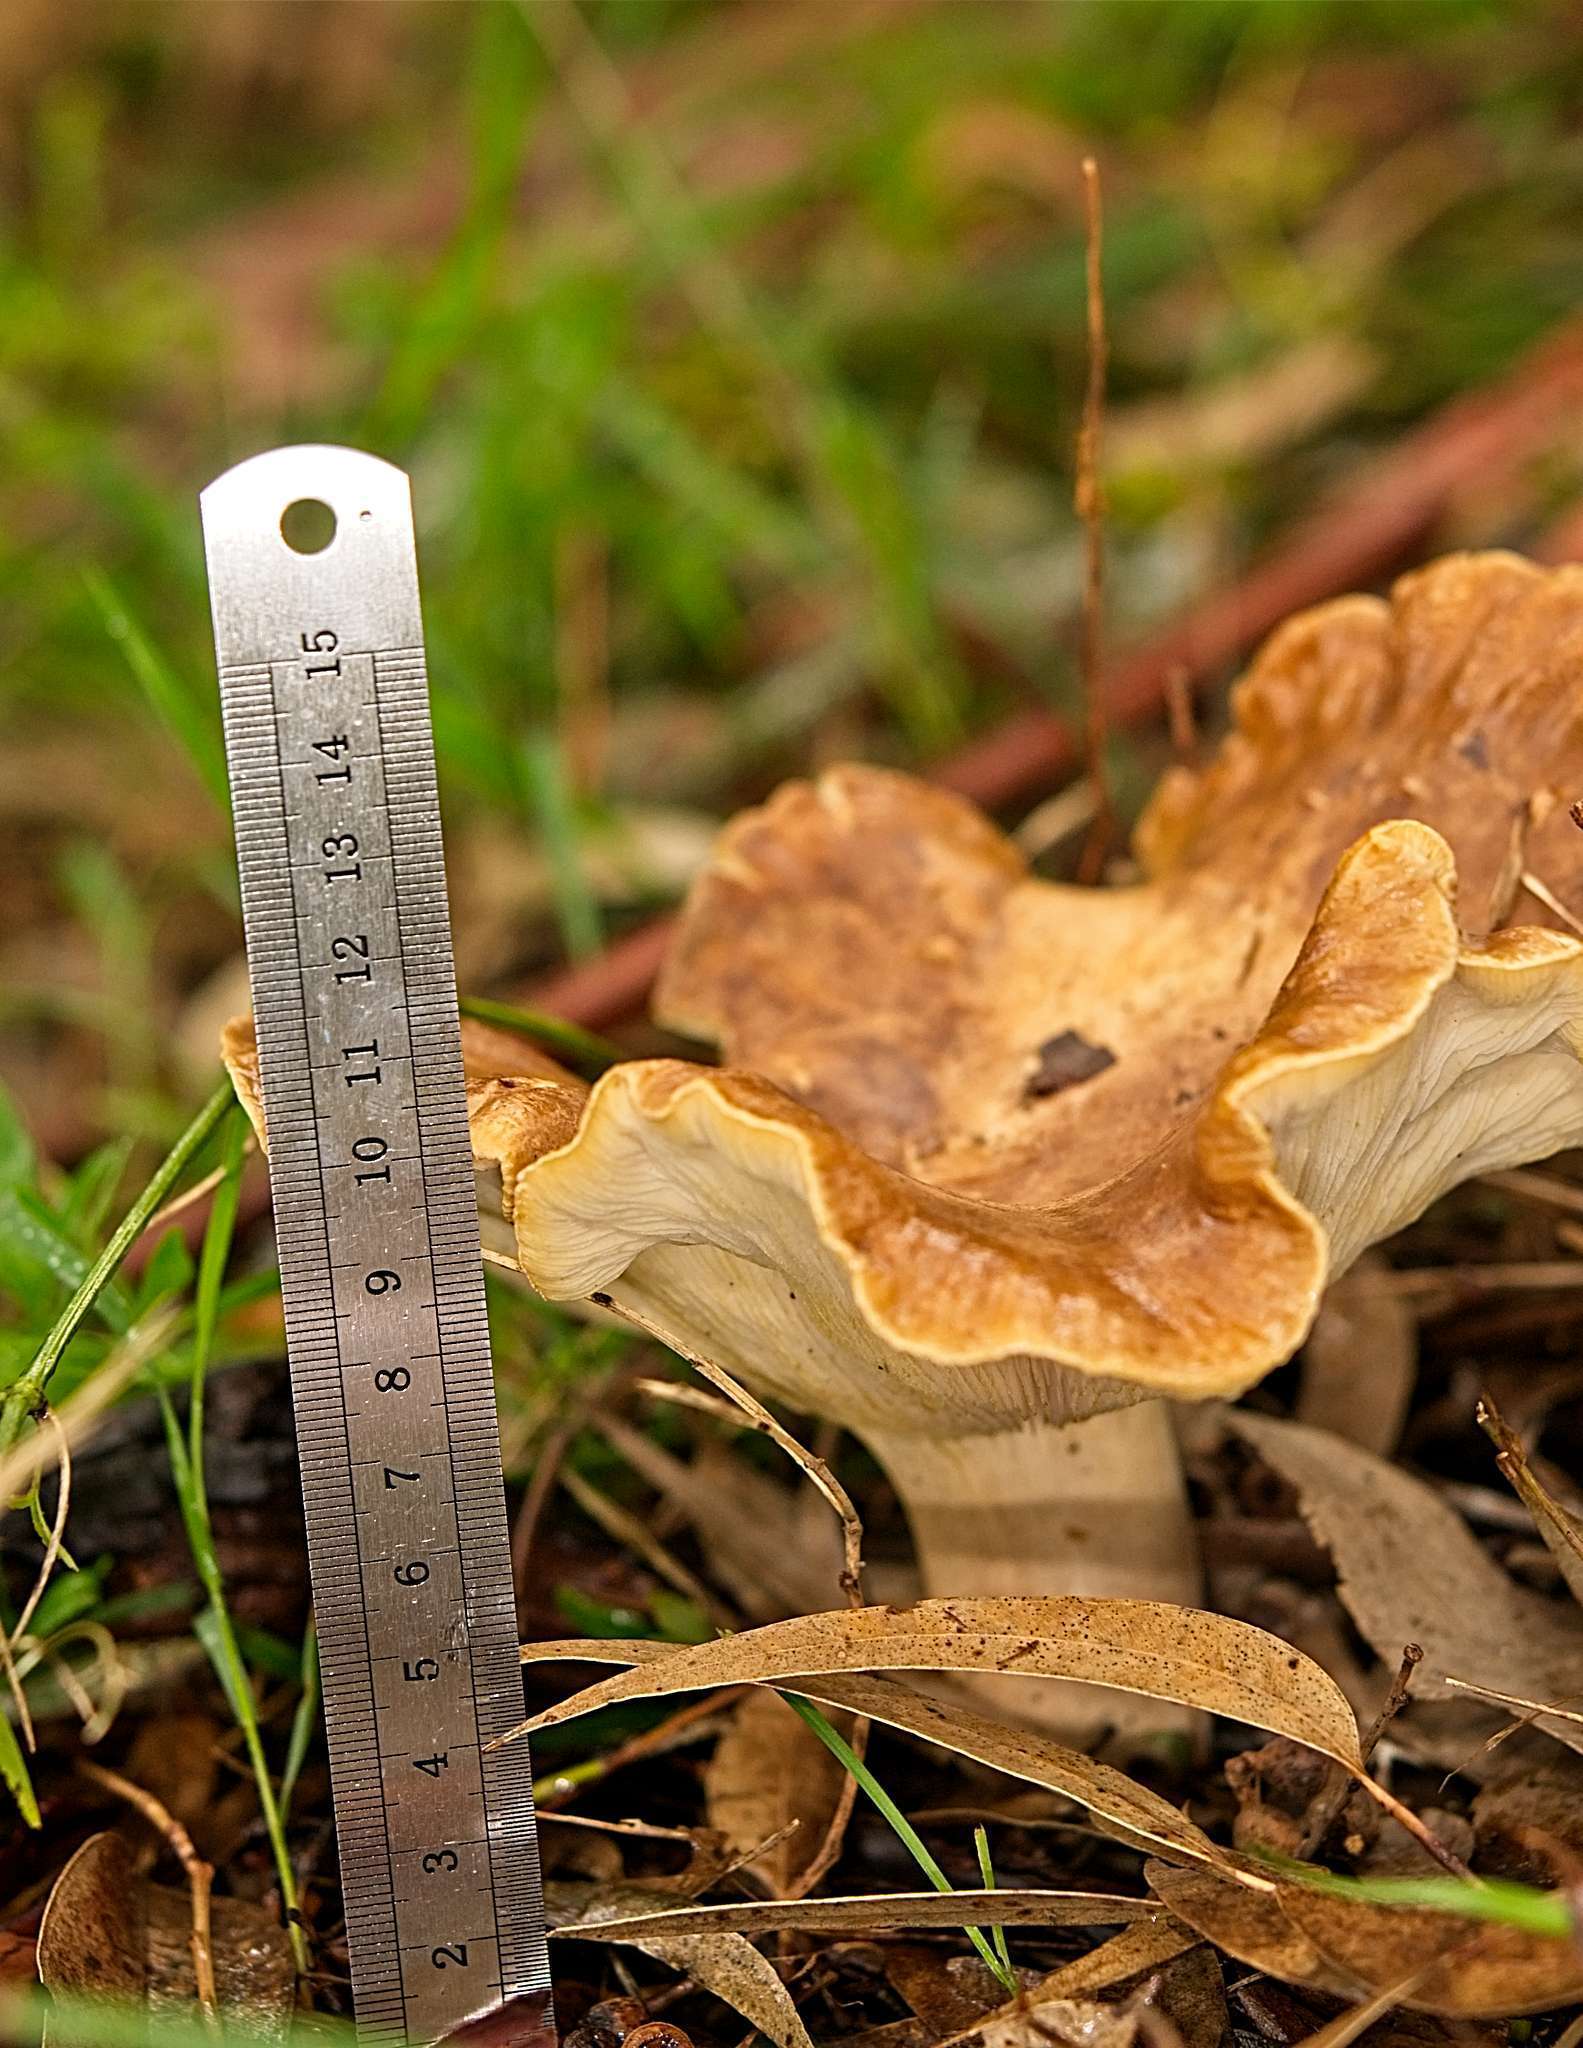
(989, 1148)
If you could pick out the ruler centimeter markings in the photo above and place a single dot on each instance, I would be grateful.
(331, 757)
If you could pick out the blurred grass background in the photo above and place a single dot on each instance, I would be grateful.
(736, 353)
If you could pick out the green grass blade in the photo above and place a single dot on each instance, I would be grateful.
(175, 705)
(14, 1770)
(986, 1870)
(306, 1718)
(591, 1052)
(850, 1761)
(578, 914)
(1547, 1914)
(31, 1388)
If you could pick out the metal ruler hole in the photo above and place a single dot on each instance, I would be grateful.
(307, 526)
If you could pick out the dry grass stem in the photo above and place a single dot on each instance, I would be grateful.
(1090, 502)
(200, 1875)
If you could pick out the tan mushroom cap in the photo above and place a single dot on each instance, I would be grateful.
(519, 1101)
(977, 1121)
(989, 1148)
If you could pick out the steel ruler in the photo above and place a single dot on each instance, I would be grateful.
(333, 789)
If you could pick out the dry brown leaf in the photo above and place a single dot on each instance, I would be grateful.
(1360, 1359)
(1246, 1924)
(769, 1774)
(868, 1914)
(1410, 1571)
(1431, 1962)
(1561, 1529)
(107, 1932)
(1189, 1993)
(1141, 1646)
(1131, 1810)
(948, 1994)
(1153, 1939)
(726, 1964)
(1461, 1969)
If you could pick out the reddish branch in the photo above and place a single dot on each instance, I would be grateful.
(1367, 527)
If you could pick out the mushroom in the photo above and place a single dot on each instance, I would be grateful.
(994, 1163)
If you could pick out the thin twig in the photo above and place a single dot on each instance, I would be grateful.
(52, 1549)
(546, 1469)
(1551, 901)
(1180, 716)
(1328, 1805)
(1531, 1709)
(1405, 1816)
(1537, 1187)
(697, 1398)
(1090, 502)
(760, 1418)
(558, 1786)
(1395, 1699)
(200, 1875)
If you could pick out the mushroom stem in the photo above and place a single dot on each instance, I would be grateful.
(1094, 1507)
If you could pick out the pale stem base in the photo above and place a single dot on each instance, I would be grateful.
(1096, 1507)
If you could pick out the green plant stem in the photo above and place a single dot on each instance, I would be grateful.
(214, 1627)
(986, 1870)
(1509, 1904)
(306, 1718)
(193, 724)
(212, 1262)
(577, 911)
(591, 1052)
(26, 1395)
(215, 1630)
(850, 1761)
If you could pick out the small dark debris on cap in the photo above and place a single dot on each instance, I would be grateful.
(1065, 1060)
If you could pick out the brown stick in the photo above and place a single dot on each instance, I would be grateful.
(546, 1470)
(1326, 1808)
(1353, 537)
(1089, 497)
(200, 1875)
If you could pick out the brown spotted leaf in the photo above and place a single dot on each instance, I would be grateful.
(1007, 1907)
(1125, 1807)
(1169, 1653)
